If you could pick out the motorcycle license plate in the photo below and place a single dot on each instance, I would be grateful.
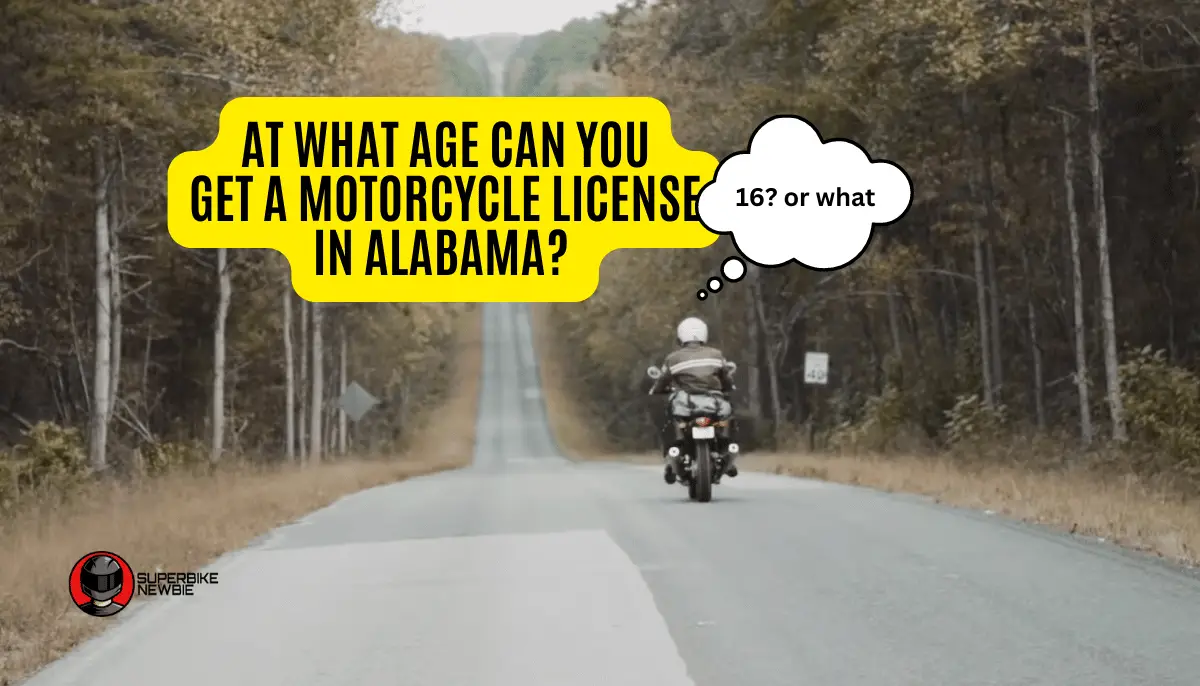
(703, 431)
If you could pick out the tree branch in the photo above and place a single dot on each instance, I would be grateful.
(946, 272)
(215, 78)
(28, 261)
(19, 346)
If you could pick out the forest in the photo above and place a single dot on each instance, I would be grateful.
(560, 63)
(464, 68)
(123, 353)
(1033, 306)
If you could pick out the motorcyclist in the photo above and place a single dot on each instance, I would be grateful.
(694, 368)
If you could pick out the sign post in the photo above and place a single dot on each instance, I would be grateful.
(816, 373)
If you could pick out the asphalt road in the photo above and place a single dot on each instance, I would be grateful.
(529, 570)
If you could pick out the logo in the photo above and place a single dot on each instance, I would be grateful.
(101, 583)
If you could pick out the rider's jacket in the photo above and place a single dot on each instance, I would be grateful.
(695, 368)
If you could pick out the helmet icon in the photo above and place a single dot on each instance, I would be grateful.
(101, 578)
(101, 584)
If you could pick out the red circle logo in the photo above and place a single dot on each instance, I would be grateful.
(102, 583)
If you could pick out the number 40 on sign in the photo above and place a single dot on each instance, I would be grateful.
(816, 368)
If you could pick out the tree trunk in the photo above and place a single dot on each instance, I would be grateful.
(342, 384)
(772, 367)
(224, 294)
(289, 367)
(1108, 318)
(993, 289)
(1035, 346)
(913, 324)
(893, 310)
(102, 360)
(982, 304)
(981, 299)
(115, 300)
(316, 443)
(305, 365)
(1080, 329)
(993, 286)
(753, 347)
(329, 420)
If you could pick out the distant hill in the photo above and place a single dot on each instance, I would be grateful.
(547, 64)
(498, 46)
(464, 68)
(557, 63)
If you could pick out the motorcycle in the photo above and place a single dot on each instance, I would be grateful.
(697, 459)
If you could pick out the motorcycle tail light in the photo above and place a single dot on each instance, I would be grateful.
(703, 421)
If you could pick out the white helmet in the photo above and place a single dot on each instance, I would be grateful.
(692, 330)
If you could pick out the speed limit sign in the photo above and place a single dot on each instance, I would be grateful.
(816, 368)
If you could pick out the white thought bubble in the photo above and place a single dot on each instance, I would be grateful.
(793, 197)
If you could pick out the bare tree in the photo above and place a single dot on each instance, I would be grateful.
(224, 294)
(316, 444)
(1112, 375)
(893, 311)
(305, 364)
(981, 282)
(982, 304)
(1079, 329)
(289, 365)
(115, 299)
(771, 358)
(753, 345)
(1035, 345)
(102, 360)
(342, 384)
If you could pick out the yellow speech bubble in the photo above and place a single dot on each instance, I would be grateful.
(441, 199)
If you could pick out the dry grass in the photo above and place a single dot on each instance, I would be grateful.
(449, 432)
(574, 435)
(184, 521)
(1122, 510)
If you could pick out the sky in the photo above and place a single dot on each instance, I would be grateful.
(462, 18)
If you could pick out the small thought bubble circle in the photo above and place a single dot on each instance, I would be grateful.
(793, 196)
(733, 268)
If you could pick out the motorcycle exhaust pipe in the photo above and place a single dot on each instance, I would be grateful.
(732, 452)
(673, 457)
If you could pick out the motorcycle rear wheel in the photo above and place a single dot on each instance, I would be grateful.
(702, 481)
